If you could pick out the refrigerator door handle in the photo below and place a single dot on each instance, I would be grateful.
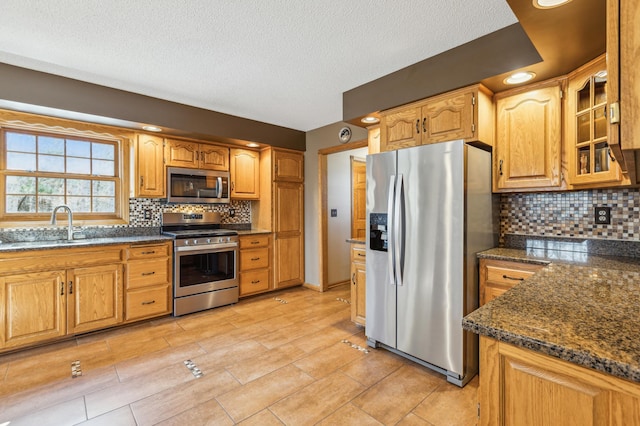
(390, 230)
(398, 237)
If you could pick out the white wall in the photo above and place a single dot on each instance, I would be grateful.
(339, 227)
(324, 137)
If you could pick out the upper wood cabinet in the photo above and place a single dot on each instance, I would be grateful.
(528, 148)
(196, 155)
(623, 92)
(245, 174)
(461, 114)
(288, 166)
(587, 143)
(149, 179)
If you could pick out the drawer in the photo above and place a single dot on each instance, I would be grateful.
(254, 241)
(358, 254)
(510, 273)
(146, 252)
(144, 273)
(147, 302)
(254, 281)
(254, 259)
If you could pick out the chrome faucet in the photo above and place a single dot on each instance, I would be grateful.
(70, 218)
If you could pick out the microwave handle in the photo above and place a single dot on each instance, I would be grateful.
(219, 187)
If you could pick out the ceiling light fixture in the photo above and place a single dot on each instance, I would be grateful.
(252, 145)
(548, 4)
(370, 120)
(151, 128)
(519, 77)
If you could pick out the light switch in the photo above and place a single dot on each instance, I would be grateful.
(334, 212)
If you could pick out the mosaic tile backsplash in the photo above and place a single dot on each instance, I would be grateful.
(139, 208)
(571, 214)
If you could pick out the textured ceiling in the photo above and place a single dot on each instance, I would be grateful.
(283, 62)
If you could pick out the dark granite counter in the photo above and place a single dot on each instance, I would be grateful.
(253, 231)
(87, 242)
(580, 308)
(355, 241)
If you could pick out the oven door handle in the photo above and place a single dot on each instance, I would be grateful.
(207, 249)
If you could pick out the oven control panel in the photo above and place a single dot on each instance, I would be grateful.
(206, 241)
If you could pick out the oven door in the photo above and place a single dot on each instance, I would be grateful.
(204, 269)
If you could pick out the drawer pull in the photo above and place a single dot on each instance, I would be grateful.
(255, 258)
(361, 255)
(255, 282)
(149, 303)
(507, 277)
(255, 242)
(148, 273)
(148, 252)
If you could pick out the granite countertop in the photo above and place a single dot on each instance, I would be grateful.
(580, 308)
(87, 242)
(253, 231)
(356, 241)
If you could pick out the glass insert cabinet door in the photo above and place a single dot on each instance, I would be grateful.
(590, 159)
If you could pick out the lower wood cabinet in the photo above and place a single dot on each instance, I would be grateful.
(358, 283)
(255, 264)
(521, 387)
(49, 294)
(498, 276)
(60, 292)
(148, 288)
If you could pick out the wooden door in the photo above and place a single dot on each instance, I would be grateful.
(289, 231)
(288, 166)
(529, 139)
(33, 308)
(212, 157)
(245, 174)
(448, 118)
(150, 162)
(181, 153)
(400, 128)
(358, 199)
(95, 298)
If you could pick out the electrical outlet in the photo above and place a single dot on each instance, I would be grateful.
(232, 212)
(147, 214)
(603, 215)
(334, 212)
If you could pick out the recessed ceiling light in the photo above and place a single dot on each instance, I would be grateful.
(370, 120)
(151, 128)
(548, 4)
(252, 145)
(519, 77)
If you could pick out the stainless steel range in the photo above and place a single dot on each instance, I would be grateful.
(205, 261)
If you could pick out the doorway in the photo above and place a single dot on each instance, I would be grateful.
(334, 249)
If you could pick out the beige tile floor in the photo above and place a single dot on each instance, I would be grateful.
(264, 362)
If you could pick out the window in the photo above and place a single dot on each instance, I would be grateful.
(43, 170)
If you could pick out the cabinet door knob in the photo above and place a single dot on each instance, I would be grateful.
(61, 289)
(500, 168)
(141, 181)
(418, 125)
(353, 278)
(70, 287)
(424, 125)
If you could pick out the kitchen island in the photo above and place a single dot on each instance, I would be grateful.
(561, 347)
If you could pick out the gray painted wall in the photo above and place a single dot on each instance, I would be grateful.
(321, 138)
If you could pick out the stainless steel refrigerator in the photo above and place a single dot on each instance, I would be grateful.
(429, 211)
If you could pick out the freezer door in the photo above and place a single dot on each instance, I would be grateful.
(381, 292)
(430, 301)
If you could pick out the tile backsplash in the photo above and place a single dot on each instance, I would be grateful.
(139, 209)
(571, 214)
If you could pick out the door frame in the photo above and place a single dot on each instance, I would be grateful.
(324, 209)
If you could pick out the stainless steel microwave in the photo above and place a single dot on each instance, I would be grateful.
(197, 186)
